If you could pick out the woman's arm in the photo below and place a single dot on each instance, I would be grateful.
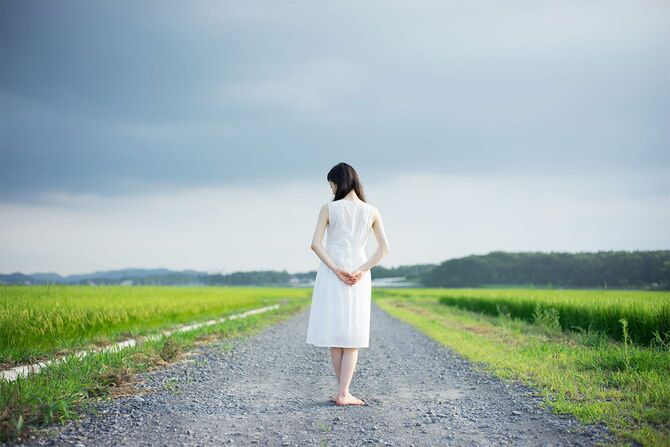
(318, 248)
(382, 244)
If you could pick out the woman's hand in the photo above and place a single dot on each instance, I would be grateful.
(345, 276)
(357, 275)
(349, 278)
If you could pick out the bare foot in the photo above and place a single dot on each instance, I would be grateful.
(348, 399)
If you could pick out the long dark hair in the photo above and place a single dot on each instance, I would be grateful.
(346, 179)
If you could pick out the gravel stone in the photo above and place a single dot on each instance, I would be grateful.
(273, 389)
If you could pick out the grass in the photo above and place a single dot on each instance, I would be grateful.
(67, 389)
(647, 313)
(586, 373)
(39, 321)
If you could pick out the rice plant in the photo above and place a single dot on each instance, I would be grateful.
(36, 321)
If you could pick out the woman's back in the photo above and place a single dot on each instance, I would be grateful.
(349, 226)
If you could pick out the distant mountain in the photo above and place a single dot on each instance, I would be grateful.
(129, 273)
(162, 276)
(51, 277)
(15, 278)
(132, 275)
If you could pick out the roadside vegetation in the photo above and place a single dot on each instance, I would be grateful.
(587, 369)
(67, 389)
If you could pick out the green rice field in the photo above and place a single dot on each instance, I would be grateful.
(647, 314)
(39, 321)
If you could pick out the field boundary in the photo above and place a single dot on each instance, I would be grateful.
(12, 374)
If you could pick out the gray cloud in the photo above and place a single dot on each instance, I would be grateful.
(124, 97)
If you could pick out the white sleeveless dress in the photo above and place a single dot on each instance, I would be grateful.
(340, 313)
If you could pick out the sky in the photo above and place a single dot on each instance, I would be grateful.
(198, 135)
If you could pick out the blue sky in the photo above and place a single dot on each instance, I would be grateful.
(198, 134)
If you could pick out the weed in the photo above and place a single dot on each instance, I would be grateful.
(547, 318)
(171, 349)
(325, 427)
(661, 342)
(503, 311)
(626, 342)
(171, 385)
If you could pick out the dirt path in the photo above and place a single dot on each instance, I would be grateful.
(273, 388)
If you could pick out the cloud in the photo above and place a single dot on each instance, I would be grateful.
(314, 87)
(550, 118)
(428, 218)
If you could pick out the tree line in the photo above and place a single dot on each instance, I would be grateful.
(603, 269)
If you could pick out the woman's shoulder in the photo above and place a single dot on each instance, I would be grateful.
(371, 206)
(324, 209)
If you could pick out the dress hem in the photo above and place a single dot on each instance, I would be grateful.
(334, 346)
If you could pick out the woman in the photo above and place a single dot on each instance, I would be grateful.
(340, 312)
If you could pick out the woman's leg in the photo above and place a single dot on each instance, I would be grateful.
(348, 364)
(336, 354)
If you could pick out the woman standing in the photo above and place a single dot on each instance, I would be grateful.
(340, 312)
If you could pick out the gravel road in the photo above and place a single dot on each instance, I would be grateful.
(273, 388)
